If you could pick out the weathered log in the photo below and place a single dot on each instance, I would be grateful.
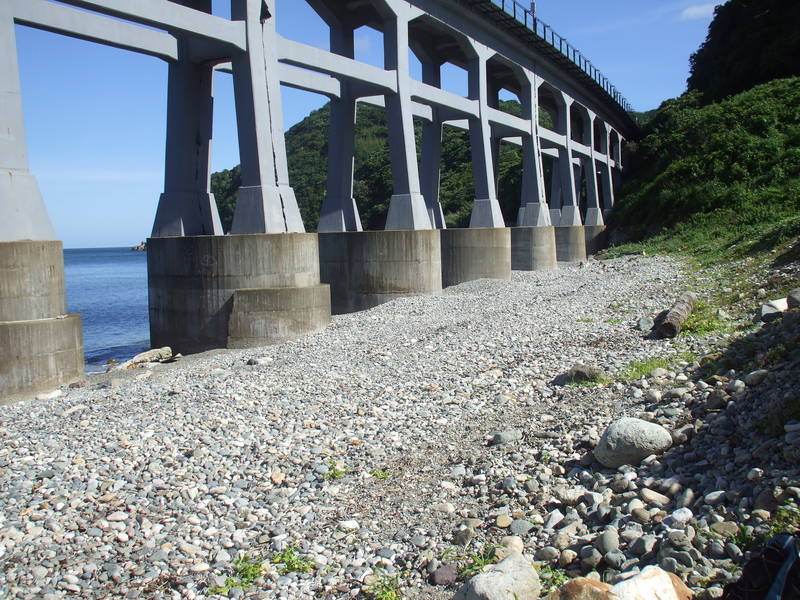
(671, 324)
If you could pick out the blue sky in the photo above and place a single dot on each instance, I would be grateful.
(95, 117)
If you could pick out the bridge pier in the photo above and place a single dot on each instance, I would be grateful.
(41, 347)
(367, 268)
(475, 253)
(570, 243)
(234, 291)
(533, 248)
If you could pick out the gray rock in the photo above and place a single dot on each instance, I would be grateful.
(445, 575)
(580, 372)
(514, 578)
(645, 324)
(504, 437)
(590, 557)
(628, 440)
(756, 377)
(547, 554)
(521, 526)
(608, 541)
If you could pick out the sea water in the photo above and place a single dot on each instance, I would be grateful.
(108, 288)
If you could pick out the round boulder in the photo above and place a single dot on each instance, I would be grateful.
(627, 441)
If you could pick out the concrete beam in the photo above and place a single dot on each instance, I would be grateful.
(309, 81)
(172, 17)
(456, 106)
(378, 80)
(91, 27)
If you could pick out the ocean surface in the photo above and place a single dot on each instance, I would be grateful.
(108, 287)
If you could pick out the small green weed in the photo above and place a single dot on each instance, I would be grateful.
(643, 368)
(476, 561)
(246, 570)
(387, 587)
(586, 320)
(704, 320)
(613, 321)
(291, 562)
(380, 474)
(743, 538)
(546, 457)
(336, 470)
(786, 519)
(551, 579)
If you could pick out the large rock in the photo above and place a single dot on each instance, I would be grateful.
(514, 578)
(627, 441)
(581, 588)
(652, 583)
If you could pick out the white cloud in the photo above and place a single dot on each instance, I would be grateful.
(698, 11)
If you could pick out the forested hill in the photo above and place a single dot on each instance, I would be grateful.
(307, 150)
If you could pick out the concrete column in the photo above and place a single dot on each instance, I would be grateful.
(594, 214)
(555, 194)
(486, 210)
(570, 212)
(339, 211)
(187, 207)
(24, 216)
(265, 202)
(407, 208)
(533, 210)
(431, 159)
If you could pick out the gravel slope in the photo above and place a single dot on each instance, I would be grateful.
(149, 486)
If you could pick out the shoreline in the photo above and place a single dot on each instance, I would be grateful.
(164, 476)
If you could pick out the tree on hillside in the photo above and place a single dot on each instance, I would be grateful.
(749, 42)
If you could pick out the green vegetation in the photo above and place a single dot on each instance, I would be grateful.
(336, 470)
(551, 579)
(290, 562)
(785, 520)
(716, 183)
(380, 474)
(387, 587)
(246, 570)
(470, 563)
(643, 368)
(749, 42)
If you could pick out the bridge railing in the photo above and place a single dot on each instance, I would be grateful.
(548, 34)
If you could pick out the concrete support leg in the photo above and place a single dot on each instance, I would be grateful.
(41, 347)
(594, 214)
(407, 208)
(556, 199)
(339, 211)
(187, 207)
(233, 291)
(431, 159)
(570, 244)
(607, 187)
(533, 249)
(596, 238)
(266, 202)
(533, 211)
(476, 253)
(486, 210)
(365, 269)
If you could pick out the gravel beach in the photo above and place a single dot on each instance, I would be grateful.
(373, 448)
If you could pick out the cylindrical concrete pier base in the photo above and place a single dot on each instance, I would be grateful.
(368, 268)
(595, 238)
(475, 253)
(570, 244)
(246, 290)
(41, 347)
(533, 248)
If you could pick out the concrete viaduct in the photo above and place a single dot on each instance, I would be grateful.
(269, 281)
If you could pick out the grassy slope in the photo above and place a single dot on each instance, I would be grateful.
(717, 182)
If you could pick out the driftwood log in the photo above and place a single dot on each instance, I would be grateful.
(671, 324)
